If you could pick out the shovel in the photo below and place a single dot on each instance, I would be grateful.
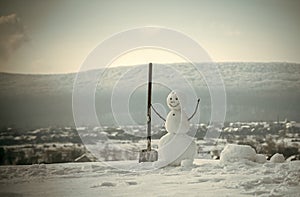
(148, 155)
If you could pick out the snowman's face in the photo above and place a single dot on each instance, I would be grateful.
(173, 101)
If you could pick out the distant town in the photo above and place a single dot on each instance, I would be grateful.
(65, 144)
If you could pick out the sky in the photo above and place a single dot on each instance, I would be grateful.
(55, 36)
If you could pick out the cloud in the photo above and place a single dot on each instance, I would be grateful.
(12, 35)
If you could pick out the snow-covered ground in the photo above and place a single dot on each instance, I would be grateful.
(205, 178)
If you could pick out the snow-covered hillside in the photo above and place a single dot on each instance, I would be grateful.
(235, 75)
(255, 91)
(205, 178)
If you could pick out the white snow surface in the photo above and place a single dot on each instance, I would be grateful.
(260, 158)
(203, 178)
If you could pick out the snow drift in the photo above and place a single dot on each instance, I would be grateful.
(206, 178)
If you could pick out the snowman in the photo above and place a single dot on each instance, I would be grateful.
(176, 147)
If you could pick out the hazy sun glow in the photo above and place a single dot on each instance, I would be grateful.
(146, 55)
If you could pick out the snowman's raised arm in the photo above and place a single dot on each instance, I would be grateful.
(158, 113)
(195, 110)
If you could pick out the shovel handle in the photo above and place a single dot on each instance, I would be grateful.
(149, 107)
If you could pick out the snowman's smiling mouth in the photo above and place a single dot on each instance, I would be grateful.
(174, 105)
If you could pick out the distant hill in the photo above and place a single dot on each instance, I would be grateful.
(255, 91)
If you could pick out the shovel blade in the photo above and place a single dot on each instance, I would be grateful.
(148, 155)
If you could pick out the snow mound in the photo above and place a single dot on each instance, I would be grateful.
(277, 158)
(234, 153)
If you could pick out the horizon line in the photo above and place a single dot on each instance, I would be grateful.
(167, 63)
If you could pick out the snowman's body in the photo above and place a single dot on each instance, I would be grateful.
(177, 122)
(176, 146)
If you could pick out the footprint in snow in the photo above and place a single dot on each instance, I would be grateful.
(104, 184)
(131, 183)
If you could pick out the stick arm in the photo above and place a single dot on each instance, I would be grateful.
(158, 113)
(198, 101)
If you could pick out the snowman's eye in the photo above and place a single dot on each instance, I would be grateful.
(176, 99)
(170, 98)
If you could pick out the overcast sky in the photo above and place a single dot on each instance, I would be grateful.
(55, 36)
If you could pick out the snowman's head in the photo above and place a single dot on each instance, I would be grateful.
(173, 101)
